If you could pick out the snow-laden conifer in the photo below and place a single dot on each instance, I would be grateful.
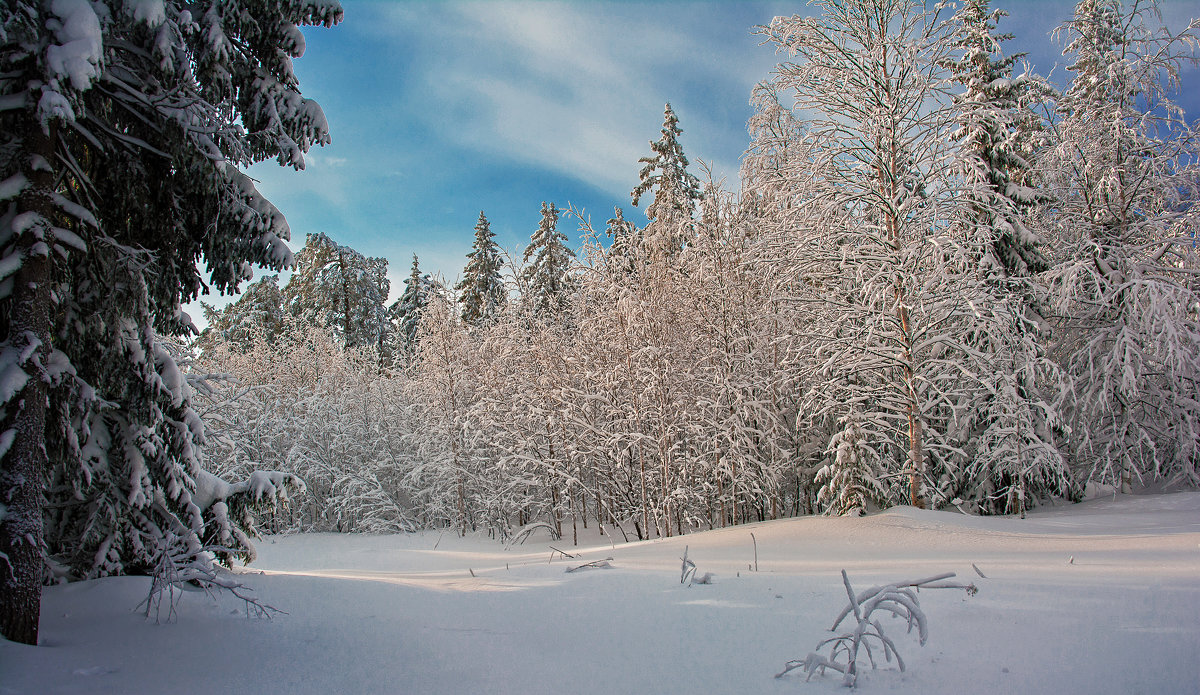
(850, 481)
(405, 312)
(122, 130)
(546, 278)
(338, 288)
(481, 290)
(257, 311)
(1001, 428)
(675, 189)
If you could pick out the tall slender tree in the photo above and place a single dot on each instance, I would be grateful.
(869, 72)
(1005, 428)
(676, 190)
(1125, 285)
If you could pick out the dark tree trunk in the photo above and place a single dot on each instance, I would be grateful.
(23, 468)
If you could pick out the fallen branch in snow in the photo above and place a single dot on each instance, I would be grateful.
(565, 554)
(899, 599)
(594, 564)
(524, 532)
(181, 569)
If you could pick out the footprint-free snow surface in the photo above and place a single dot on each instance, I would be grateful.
(1099, 597)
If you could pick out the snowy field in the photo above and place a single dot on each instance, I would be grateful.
(1101, 597)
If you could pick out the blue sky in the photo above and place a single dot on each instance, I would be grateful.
(441, 109)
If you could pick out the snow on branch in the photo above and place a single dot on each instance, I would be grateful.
(179, 568)
(897, 598)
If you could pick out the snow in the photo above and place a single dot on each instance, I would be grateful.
(77, 57)
(1100, 597)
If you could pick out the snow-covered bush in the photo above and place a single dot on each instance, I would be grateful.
(897, 598)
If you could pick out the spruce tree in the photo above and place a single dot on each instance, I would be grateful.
(406, 311)
(675, 189)
(481, 290)
(850, 481)
(338, 288)
(995, 127)
(257, 312)
(1004, 453)
(122, 135)
(547, 279)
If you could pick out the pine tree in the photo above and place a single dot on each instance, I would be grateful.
(674, 188)
(338, 288)
(481, 290)
(995, 126)
(850, 482)
(123, 129)
(547, 280)
(626, 242)
(257, 312)
(406, 311)
(1004, 428)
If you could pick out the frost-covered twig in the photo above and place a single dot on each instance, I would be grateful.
(897, 598)
(180, 569)
(594, 564)
(687, 569)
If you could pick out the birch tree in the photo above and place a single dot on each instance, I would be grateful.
(1125, 282)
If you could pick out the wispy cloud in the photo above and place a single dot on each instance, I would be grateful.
(575, 88)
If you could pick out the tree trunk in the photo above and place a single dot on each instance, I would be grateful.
(24, 467)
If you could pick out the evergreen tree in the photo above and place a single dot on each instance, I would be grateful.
(547, 280)
(626, 241)
(850, 482)
(995, 125)
(1004, 432)
(675, 189)
(338, 288)
(257, 312)
(481, 290)
(122, 134)
(406, 311)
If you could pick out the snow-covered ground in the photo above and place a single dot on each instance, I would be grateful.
(1100, 597)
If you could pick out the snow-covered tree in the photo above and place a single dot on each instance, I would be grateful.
(547, 282)
(406, 311)
(1002, 431)
(850, 481)
(122, 130)
(867, 71)
(338, 288)
(996, 124)
(481, 289)
(1127, 177)
(664, 174)
(258, 311)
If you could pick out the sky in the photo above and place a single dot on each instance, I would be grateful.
(440, 110)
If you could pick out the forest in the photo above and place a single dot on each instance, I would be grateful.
(939, 281)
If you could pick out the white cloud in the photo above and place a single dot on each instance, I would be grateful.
(574, 88)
